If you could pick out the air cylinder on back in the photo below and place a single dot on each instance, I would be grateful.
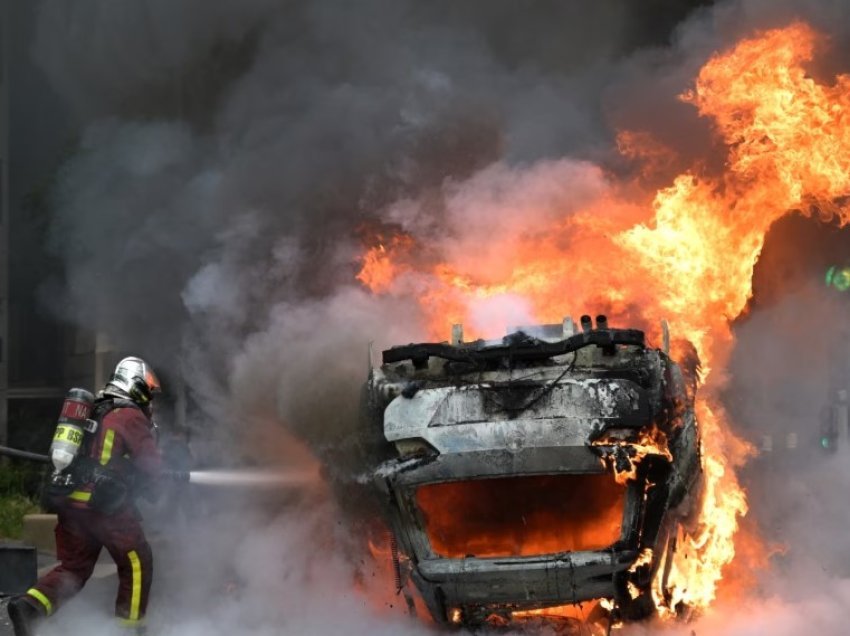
(70, 431)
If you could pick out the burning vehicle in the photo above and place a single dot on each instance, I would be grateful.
(524, 476)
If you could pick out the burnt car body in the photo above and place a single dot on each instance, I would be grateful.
(548, 468)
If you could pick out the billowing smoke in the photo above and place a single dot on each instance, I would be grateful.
(233, 154)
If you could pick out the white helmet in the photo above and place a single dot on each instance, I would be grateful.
(133, 378)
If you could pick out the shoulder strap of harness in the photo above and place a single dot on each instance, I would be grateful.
(105, 405)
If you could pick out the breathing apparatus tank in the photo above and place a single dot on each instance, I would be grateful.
(73, 424)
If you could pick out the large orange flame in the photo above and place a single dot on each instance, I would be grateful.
(685, 253)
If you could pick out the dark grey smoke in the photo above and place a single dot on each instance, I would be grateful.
(198, 222)
(234, 152)
(791, 360)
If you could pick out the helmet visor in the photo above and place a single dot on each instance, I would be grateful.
(152, 381)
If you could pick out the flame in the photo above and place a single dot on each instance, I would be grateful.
(644, 558)
(583, 613)
(380, 264)
(625, 456)
(684, 253)
(522, 516)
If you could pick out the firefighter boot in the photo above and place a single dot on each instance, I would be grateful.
(23, 616)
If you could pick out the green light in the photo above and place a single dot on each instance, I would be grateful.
(841, 280)
(824, 441)
(829, 274)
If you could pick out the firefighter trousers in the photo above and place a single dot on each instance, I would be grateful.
(80, 535)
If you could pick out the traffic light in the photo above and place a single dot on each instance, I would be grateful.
(829, 436)
(838, 278)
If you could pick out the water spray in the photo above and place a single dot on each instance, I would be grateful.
(255, 478)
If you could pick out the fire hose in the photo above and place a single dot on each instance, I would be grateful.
(5, 451)
(220, 478)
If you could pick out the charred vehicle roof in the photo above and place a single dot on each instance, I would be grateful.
(546, 469)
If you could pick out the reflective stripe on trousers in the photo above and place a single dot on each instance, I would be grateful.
(136, 594)
(42, 600)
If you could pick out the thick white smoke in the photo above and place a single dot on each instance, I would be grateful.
(231, 155)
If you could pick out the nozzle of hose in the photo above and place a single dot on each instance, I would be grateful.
(176, 475)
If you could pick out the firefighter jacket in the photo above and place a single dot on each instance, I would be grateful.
(121, 459)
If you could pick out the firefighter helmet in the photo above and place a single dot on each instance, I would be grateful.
(133, 378)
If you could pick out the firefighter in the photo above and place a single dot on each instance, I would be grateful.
(120, 459)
